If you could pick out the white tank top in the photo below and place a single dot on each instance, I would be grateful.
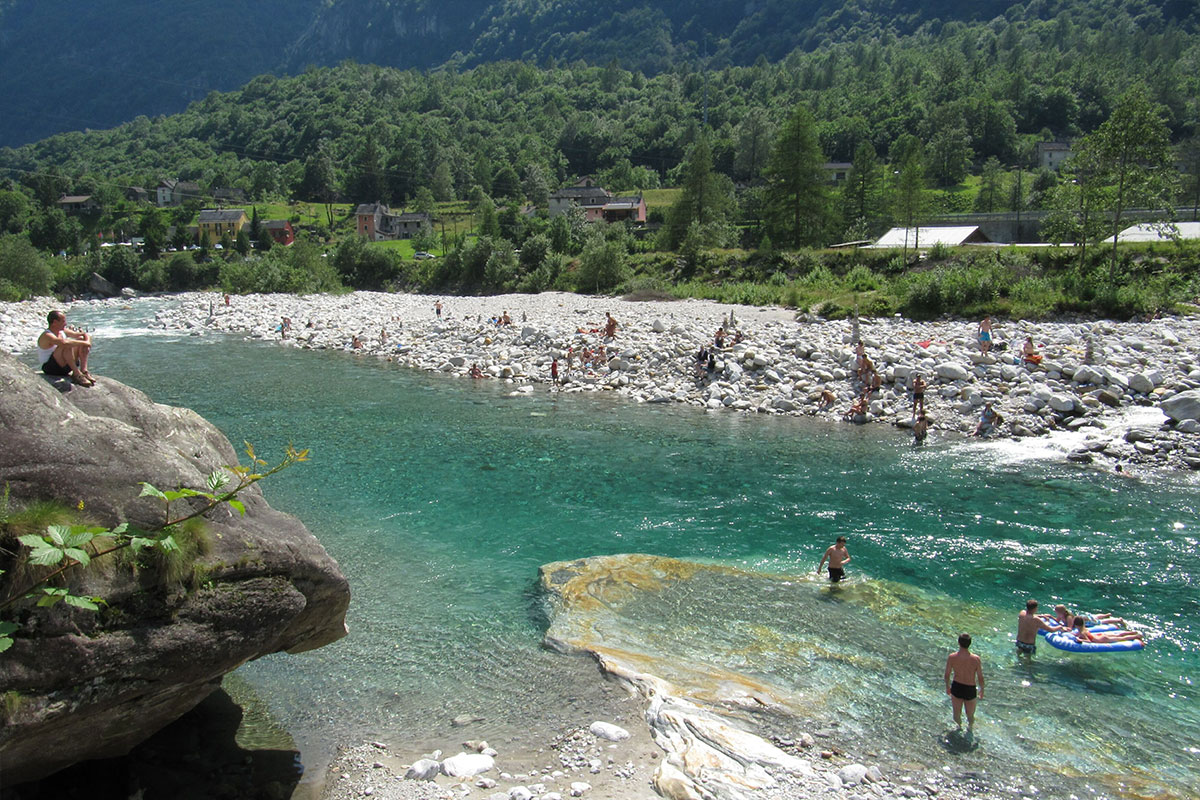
(44, 353)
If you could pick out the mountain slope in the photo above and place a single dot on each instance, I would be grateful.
(68, 66)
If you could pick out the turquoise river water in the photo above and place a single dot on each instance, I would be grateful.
(440, 498)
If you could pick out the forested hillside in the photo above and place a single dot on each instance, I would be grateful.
(69, 66)
(969, 92)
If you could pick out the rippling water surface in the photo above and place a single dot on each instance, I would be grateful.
(440, 498)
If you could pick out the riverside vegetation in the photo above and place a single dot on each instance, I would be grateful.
(41, 559)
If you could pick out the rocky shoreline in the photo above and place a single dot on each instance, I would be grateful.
(1090, 372)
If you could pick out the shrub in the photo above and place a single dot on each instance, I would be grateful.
(861, 279)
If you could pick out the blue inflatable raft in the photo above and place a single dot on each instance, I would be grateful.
(1065, 640)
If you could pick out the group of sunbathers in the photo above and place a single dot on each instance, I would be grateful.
(1030, 622)
(870, 380)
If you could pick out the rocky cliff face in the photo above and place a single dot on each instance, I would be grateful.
(81, 685)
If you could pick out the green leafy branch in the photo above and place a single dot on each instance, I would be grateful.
(62, 547)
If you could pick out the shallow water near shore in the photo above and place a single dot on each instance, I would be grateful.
(441, 497)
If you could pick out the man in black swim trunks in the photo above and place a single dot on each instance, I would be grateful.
(1028, 624)
(838, 557)
(964, 671)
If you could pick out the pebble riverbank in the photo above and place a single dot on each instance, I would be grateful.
(608, 762)
(1090, 371)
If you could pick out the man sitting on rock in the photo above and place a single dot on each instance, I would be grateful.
(64, 351)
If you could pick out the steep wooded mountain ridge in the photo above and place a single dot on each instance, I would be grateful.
(998, 85)
(68, 66)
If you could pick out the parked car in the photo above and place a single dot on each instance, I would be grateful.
(421, 255)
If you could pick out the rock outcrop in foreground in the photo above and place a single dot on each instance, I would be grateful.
(82, 685)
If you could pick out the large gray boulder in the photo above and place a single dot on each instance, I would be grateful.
(1182, 406)
(98, 284)
(83, 685)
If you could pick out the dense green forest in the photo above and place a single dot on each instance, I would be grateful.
(940, 119)
(66, 65)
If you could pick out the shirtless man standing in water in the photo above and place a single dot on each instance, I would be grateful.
(964, 671)
(1028, 624)
(838, 557)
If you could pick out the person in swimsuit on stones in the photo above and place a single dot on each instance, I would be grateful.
(964, 672)
(64, 351)
(985, 335)
(918, 389)
(838, 557)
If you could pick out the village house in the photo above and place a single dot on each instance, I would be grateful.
(837, 171)
(280, 231)
(1051, 155)
(137, 194)
(78, 204)
(215, 223)
(378, 223)
(625, 209)
(174, 193)
(586, 195)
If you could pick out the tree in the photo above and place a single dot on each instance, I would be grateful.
(443, 183)
(320, 181)
(990, 186)
(366, 183)
(14, 210)
(256, 230)
(1074, 205)
(861, 193)
(911, 197)
(506, 184)
(54, 231)
(704, 199)
(949, 156)
(23, 274)
(1133, 160)
(752, 144)
(242, 243)
(1189, 156)
(489, 223)
(425, 203)
(602, 266)
(535, 184)
(797, 193)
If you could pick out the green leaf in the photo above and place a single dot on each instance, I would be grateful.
(87, 603)
(78, 538)
(42, 554)
(138, 542)
(5, 643)
(32, 540)
(150, 491)
(216, 480)
(82, 556)
(238, 506)
(51, 597)
(192, 493)
(120, 529)
(8, 627)
(58, 534)
(168, 544)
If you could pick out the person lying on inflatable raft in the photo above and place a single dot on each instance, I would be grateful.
(1073, 634)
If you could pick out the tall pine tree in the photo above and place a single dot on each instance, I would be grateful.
(797, 195)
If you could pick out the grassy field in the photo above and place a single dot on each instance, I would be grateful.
(660, 198)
